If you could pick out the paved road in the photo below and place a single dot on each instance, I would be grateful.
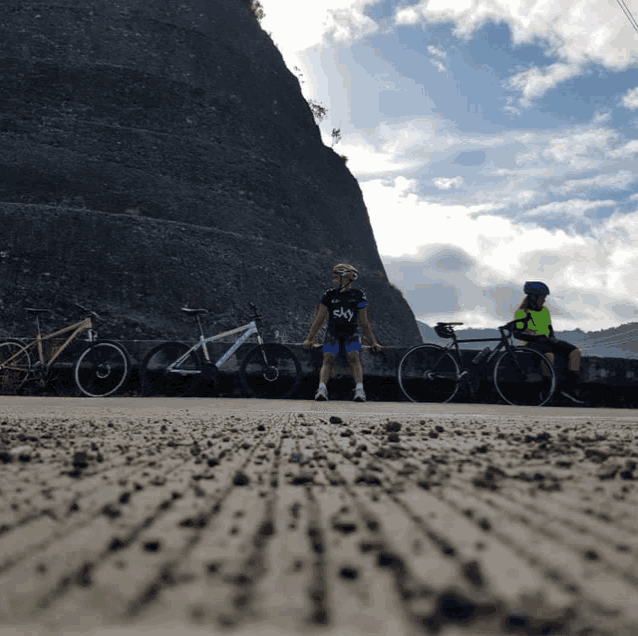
(289, 517)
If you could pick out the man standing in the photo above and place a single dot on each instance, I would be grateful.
(344, 308)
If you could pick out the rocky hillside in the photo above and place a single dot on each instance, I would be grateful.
(157, 155)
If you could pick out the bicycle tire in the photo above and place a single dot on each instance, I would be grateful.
(519, 378)
(15, 374)
(428, 373)
(270, 371)
(102, 369)
(156, 380)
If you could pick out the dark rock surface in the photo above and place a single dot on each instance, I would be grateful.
(156, 155)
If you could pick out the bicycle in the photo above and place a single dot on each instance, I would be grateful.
(174, 369)
(521, 375)
(100, 369)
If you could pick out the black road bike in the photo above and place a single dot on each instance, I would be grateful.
(521, 375)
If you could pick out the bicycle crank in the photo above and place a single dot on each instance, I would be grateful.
(470, 383)
(271, 374)
(103, 370)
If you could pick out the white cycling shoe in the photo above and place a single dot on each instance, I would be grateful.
(321, 395)
(359, 395)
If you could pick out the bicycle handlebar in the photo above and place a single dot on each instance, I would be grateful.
(509, 326)
(88, 311)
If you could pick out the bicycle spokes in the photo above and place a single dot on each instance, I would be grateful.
(270, 371)
(524, 377)
(101, 369)
(14, 367)
(157, 379)
(428, 373)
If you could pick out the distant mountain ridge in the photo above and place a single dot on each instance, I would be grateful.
(616, 342)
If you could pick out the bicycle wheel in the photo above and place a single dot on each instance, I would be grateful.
(524, 377)
(157, 380)
(15, 363)
(102, 369)
(428, 373)
(270, 371)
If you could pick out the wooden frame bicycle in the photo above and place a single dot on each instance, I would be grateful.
(100, 369)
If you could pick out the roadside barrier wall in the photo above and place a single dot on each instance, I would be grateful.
(609, 382)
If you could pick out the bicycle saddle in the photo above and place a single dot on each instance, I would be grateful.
(447, 324)
(38, 311)
(194, 312)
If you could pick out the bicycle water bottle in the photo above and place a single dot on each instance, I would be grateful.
(481, 355)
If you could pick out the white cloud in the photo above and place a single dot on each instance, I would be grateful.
(422, 137)
(535, 82)
(437, 51)
(314, 22)
(506, 253)
(350, 23)
(580, 148)
(524, 157)
(407, 16)
(601, 118)
(402, 223)
(524, 197)
(438, 65)
(443, 183)
(364, 160)
(573, 207)
(577, 32)
(625, 152)
(630, 99)
(529, 172)
(618, 181)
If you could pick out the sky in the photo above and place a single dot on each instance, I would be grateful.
(494, 142)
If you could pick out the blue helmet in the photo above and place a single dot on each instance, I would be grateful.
(536, 288)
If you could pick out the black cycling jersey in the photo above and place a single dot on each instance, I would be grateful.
(343, 310)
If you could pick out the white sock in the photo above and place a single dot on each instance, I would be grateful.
(322, 386)
(360, 386)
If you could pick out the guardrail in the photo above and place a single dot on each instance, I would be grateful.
(609, 382)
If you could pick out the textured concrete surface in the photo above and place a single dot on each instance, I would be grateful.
(121, 516)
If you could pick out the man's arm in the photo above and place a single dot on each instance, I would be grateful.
(366, 327)
(320, 318)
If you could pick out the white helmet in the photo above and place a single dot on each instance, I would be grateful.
(342, 269)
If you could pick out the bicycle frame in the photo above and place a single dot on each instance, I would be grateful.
(502, 344)
(76, 329)
(251, 328)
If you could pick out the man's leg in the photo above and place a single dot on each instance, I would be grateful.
(324, 375)
(573, 360)
(355, 367)
(357, 372)
(573, 369)
(326, 368)
(550, 357)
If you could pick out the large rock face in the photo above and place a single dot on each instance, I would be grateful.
(159, 154)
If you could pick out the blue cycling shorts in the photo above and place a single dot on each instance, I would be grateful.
(335, 344)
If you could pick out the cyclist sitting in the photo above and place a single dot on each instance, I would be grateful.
(343, 307)
(540, 335)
